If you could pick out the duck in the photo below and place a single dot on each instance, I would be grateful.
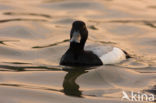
(80, 55)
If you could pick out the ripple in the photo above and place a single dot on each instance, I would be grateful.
(27, 14)
(54, 44)
(21, 19)
(29, 68)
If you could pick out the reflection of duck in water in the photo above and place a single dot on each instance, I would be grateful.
(91, 56)
(71, 88)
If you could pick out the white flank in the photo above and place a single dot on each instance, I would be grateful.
(114, 56)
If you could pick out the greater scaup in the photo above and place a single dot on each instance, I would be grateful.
(77, 55)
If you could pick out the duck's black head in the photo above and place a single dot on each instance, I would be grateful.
(78, 35)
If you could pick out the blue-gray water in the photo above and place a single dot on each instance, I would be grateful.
(34, 35)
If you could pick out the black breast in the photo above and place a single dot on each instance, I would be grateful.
(85, 58)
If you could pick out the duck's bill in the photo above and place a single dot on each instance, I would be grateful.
(75, 37)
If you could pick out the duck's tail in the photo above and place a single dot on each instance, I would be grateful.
(127, 55)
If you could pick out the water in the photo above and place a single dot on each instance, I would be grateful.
(34, 34)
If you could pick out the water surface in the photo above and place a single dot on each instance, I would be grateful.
(34, 34)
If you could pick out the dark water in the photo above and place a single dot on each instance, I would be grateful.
(34, 35)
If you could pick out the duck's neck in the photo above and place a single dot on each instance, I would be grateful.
(76, 47)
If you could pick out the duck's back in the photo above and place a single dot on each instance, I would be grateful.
(99, 50)
(107, 54)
